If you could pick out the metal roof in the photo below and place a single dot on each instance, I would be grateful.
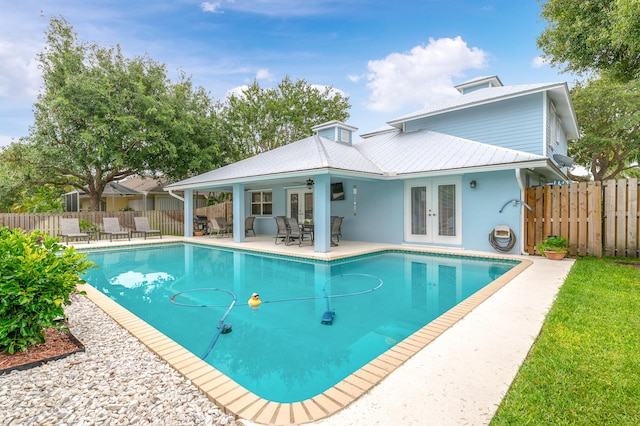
(427, 151)
(312, 153)
(387, 154)
(559, 92)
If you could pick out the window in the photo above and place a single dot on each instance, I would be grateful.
(552, 129)
(344, 135)
(261, 203)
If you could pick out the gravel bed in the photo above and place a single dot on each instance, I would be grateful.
(116, 381)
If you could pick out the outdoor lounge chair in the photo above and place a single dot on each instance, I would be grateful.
(70, 228)
(336, 229)
(220, 227)
(112, 228)
(142, 227)
(248, 225)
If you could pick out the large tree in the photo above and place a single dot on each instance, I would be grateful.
(592, 35)
(609, 119)
(101, 117)
(257, 119)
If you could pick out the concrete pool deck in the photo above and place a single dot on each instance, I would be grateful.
(454, 371)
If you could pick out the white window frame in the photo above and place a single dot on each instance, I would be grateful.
(261, 203)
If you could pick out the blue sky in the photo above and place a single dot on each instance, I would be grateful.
(390, 58)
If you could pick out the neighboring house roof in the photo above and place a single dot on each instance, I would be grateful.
(559, 93)
(143, 184)
(129, 187)
(387, 154)
(113, 189)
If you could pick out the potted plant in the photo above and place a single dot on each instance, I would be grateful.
(554, 247)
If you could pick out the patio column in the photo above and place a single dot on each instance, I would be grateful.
(188, 212)
(238, 212)
(322, 213)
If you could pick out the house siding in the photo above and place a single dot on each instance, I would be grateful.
(512, 123)
(481, 208)
(329, 133)
(559, 143)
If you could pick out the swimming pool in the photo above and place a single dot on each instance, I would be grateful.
(282, 351)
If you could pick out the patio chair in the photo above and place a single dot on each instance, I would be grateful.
(220, 227)
(248, 225)
(142, 227)
(295, 231)
(111, 227)
(336, 229)
(282, 231)
(70, 228)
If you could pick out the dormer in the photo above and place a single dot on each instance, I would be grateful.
(479, 83)
(336, 131)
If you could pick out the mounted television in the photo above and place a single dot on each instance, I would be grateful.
(337, 191)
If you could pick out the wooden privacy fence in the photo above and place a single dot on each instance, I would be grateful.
(169, 222)
(598, 218)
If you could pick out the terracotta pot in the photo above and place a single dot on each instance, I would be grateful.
(555, 255)
(198, 233)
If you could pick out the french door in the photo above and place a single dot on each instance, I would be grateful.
(433, 211)
(300, 204)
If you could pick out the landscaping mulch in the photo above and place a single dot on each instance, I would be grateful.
(57, 345)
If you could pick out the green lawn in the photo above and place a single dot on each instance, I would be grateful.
(584, 368)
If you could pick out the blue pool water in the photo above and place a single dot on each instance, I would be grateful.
(281, 351)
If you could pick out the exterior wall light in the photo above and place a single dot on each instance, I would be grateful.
(472, 184)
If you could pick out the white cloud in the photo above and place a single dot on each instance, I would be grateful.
(354, 78)
(211, 7)
(288, 8)
(264, 74)
(19, 74)
(539, 62)
(421, 76)
(237, 91)
(332, 92)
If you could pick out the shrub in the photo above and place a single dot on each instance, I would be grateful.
(37, 277)
(553, 243)
(86, 226)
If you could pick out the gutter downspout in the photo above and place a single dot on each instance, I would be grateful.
(522, 188)
(176, 196)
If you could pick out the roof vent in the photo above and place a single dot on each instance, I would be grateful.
(479, 83)
(336, 131)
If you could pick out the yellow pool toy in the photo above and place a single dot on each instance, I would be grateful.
(254, 301)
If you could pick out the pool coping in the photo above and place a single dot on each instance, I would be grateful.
(235, 399)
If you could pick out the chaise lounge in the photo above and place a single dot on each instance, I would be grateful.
(70, 228)
(142, 227)
(111, 227)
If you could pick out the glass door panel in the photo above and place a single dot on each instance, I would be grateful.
(433, 212)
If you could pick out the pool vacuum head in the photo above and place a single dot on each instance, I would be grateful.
(327, 317)
(226, 328)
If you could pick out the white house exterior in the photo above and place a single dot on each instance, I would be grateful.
(446, 176)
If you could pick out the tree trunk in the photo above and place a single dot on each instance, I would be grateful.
(95, 201)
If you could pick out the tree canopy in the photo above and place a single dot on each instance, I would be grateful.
(609, 120)
(258, 119)
(592, 35)
(101, 117)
